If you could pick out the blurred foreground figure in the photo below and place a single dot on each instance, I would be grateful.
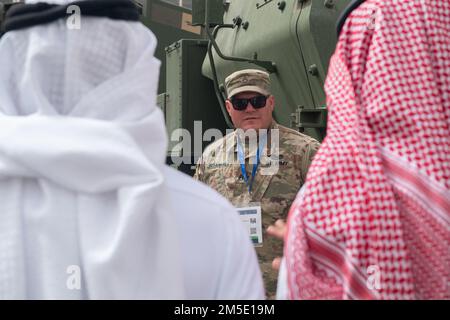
(88, 210)
(373, 219)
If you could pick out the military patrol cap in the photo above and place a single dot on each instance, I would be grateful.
(253, 80)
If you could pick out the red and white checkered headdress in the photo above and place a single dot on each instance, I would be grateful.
(373, 219)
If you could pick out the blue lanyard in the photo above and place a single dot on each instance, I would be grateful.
(262, 144)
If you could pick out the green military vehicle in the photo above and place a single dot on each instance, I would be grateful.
(292, 39)
(200, 42)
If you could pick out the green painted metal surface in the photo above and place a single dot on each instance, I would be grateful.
(189, 101)
(216, 10)
(299, 37)
(169, 23)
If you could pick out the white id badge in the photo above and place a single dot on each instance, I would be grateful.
(251, 217)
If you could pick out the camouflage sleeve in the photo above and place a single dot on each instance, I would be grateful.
(199, 170)
(308, 157)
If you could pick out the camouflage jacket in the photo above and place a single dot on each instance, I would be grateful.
(219, 168)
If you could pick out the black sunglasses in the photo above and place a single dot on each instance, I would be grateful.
(240, 104)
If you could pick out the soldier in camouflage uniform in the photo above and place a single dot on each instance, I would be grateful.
(219, 167)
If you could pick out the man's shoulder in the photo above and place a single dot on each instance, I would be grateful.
(211, 236)
(194, 194)
(294, 137)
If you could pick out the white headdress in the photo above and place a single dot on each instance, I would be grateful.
(82, 146)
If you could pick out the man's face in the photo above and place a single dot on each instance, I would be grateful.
(251, 118)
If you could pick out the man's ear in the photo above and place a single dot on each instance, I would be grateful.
(271, 101)
(229, 106)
